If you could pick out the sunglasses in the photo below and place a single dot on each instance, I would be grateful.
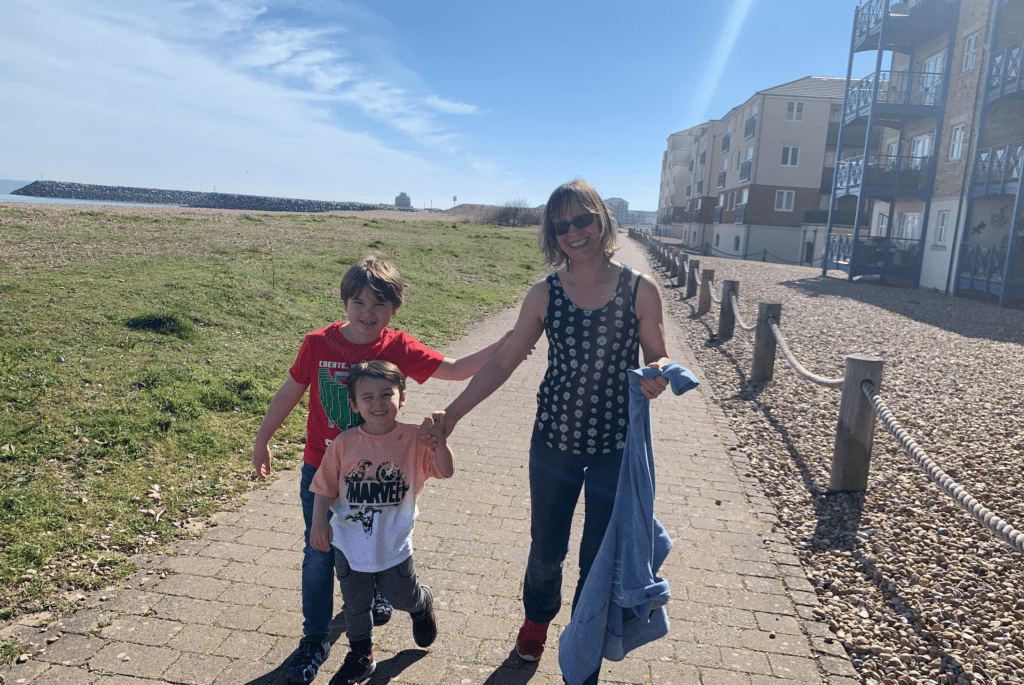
(582, 221)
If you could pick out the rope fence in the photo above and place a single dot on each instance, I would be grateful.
(859, 406)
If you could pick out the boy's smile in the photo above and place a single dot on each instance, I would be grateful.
(377, 400)
(367, 317)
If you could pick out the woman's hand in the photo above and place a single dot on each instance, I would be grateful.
(652, 387)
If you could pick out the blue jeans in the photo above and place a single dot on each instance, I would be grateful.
(556, 479)
(317, 569)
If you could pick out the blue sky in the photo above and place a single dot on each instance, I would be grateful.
(490, 102)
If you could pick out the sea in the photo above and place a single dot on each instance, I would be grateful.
(6, 186)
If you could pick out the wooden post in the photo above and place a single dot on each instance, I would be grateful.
(763, 365)
(681, 272)
(856, 429)
(691, 282)
(704, 303)
(727, 318)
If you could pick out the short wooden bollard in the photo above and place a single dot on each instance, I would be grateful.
(681, 270)
(691, 282)
(763, 365)
(727, 317)
(855, 432)
(704, 303)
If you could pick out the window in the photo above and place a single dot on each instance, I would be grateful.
(688, 189)
(920, 150)
(717, 236)
(970, 51)
(795, 111)
(942, 232)
(883, 225)
(931, 79)
(744, 200)
(736, 244)
(790, 155)
(910, 226)
(956, 143)
(694, 236)
(784, 200)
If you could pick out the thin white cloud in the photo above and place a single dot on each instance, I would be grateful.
(449, 106)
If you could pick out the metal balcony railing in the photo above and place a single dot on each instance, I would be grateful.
(998, 165)
(749, 126)
(868, 17)
(741, 212)
(721, 178)
(895, 88)
(1005, 70)
(884, 172)
(745, 170)
(981, 267)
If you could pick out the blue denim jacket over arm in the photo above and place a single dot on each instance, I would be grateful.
(622, 604)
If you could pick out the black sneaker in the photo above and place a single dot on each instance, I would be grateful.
(424, 624)
(381, 609)
(313, 652)
(357, 668)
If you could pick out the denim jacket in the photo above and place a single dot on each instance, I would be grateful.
(622, 604)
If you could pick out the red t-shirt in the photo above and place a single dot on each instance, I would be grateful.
(323, 363)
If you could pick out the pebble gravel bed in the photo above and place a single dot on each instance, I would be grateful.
(915, 589)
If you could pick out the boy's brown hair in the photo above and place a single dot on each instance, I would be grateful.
(375, 368)
(382, 278)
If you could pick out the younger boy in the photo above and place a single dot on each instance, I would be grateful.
(371, 292)
(370, 477)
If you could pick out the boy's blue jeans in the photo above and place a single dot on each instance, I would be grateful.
(317, 569)
(556, 479)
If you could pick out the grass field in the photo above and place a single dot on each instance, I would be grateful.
(138, 355)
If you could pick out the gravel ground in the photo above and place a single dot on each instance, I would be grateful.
(913, 586)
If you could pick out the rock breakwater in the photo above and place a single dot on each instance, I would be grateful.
(188, 198)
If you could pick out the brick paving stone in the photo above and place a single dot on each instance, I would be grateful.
(283, 623)
(71, 650)
(245, 645)
(199, 639)
(65, 675)
(186, 609)
(244, 593)
(133, 660)
(232, 551)
(195, 669)
(146, 630)
(243, 618)
(242, 672)
(795, 668)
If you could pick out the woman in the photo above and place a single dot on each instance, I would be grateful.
(597, 315)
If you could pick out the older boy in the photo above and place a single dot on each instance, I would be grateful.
(371, 292)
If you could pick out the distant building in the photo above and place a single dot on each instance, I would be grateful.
(403, 200)
(636, 217)
(618, 207)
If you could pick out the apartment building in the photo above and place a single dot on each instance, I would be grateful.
(755, 184)
(618, 208)
(936, 188)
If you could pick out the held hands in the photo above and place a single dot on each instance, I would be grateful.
(432, 433)
(652, 387)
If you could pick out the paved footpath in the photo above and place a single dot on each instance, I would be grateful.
(225, 609)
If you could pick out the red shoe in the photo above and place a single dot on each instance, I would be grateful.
(530, 643)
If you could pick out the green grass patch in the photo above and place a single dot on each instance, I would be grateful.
(139, 353)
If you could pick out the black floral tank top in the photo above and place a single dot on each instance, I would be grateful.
(583, 401)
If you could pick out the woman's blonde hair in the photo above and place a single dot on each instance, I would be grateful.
(580, 194)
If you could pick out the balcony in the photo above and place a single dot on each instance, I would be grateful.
(908, 23)
(902, 93)
(997, 170)
(1005, 73)
(721, 178)
(885, 175)
(718, 214)
(741, 212)
(749, 126)
(745, 171)
(725, 142)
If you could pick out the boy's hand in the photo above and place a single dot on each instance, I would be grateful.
(431, 431)
(261, 460)
(320, 536)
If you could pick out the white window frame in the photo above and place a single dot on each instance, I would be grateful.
(790, 155)
(784, 200)
(956, 142)
(970, 51)
(883, 224)
(745, 195)
(795, 110)
(910, 226)
(931, 78)
(942, 227)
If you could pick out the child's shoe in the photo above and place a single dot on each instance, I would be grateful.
(531, 639)
(424, 623)
(312, 653)
(356, 668)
